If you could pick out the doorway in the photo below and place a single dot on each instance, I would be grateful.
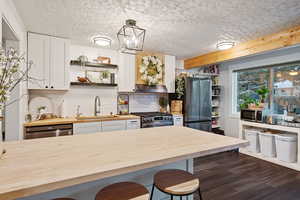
(12, 110)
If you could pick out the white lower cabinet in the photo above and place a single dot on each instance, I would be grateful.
(116, 125)
(133, 124)
(105, 126)
(86, 128)
(178, 120)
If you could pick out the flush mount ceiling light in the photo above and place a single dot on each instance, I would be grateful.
(278, 75)
(225, 45)
(101, 41)
(131, 37)
(293, 73)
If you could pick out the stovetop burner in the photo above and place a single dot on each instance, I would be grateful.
(154, 119)
(151, 114)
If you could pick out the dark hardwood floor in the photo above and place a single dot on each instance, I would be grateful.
(234, 176)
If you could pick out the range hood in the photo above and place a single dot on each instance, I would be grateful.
(139, 88)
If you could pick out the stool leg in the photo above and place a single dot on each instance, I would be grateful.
(200, 196)
(180, 197)
(152, 190)
(171, 197)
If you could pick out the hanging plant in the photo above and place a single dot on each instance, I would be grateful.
(151, 70)
(179, 84)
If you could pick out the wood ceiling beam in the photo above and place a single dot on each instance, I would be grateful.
(270, 42)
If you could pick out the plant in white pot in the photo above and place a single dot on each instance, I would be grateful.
(11, 75)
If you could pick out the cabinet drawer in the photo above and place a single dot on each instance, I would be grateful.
(114, 123)
(133, 124)
(113, 128)
(178, 120)
(86, 128)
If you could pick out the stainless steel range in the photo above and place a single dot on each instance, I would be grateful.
(155, 119)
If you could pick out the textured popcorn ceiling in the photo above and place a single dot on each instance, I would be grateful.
(182, 28)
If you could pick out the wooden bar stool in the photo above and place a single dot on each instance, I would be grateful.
(123, 191)
(176, 182)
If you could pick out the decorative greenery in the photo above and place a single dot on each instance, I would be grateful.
(41, 108)
(163, 102)
(151, 70)
(247, 100)
(10, 73)
(179, 84)
(105, 74)
(262, 93)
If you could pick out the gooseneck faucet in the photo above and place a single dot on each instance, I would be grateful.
(97, 106)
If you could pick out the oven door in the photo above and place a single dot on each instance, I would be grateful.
(158, 121)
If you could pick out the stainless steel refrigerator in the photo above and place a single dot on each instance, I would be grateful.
(197, 103)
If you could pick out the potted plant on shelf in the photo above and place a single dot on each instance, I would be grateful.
(262, 93)
(176, 105)
(105, 75)
(10, 76)
(163, 102)
(248, 102)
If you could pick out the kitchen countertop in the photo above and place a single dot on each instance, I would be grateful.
(35, 166)
(58, 121)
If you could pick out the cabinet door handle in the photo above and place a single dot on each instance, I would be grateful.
(46, 86)
(52, 87)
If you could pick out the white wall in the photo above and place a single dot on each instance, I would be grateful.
(84, 96)
(230, 120)
(15, 112)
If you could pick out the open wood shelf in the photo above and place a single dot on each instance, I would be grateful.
(94, 84)
(90, 64)
(294, 166)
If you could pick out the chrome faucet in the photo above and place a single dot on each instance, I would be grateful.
(97, 106)
(78, 111)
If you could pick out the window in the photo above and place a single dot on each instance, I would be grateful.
(283, 82)
(248, 81)
(286, 86)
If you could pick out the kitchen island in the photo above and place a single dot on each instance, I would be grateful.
(78, 166)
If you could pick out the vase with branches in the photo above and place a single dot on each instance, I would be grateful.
(11, 74)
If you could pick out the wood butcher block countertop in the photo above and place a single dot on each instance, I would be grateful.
(34, 166)
(57, 121)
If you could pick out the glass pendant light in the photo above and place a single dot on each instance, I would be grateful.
(131, 37)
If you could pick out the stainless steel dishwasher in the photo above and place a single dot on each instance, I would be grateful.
(48, 131)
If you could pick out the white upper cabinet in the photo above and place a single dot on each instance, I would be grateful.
(50, 57)
(59, 62)
(126, 73)
(38, 53)
(170, 64)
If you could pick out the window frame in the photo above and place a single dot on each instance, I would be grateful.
(270, 86)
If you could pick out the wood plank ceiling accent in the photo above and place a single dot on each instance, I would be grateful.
(270, 42)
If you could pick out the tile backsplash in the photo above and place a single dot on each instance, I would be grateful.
(85, 98)
(81, 96)
(143, 103)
